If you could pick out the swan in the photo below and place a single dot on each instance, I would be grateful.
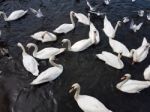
(125, 19)
(82, 18)
(78, 46)
(87, 103)
(148, 16)
(119, 47)
(135, 27)
(50, 74)
(65, 28)
(38, 13)
(108, 28)
(140, 13)
(111, 59)
(14, 15)
(93, 33)
(44, 36)
(107, 2)
(92, 8)
(140, 53)
(46, 52)
(29, 62)
(147, 73)
(131, 86)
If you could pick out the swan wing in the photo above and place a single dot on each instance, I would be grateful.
(119, 47)
(91, 104)
(108, 28)
(139, 26)
(49, 37)
(144, 42)
(38, 35)
(64, 28)
(48, 75)
(31, 64)
(82, 18)
(16, 14)
(81, 45)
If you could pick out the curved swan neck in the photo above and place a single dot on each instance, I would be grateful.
(23, 49)
(69, 45)
(54, 64)
(77, 93)
(4, 15)
(123, 82)
(71, 18)
(35, 49)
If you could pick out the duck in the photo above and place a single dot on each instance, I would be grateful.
(82, 18)
(119, 47)
(128, 85)
(29, 62)
(135, 27)
(49, 74)
(14, 15)
(108, 28)
(45, 53)
(87, 103)
(44, 36)
(140, 53)
(78, 46)
(147, 73)
(65, 28)
(38, 13)
(93, 32)
(111, 59)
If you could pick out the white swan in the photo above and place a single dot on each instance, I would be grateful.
(78, 46)
(87, 103)
(119, 47)
(38, 13)
(65, 28)
(140, 53)
(131, 86)
(45, 53)
(93, 33)
(50, 74)
(107, 2)
(82, 18)
(148, 16)
(108, 28)
(135, 27)
(140, 13)
(111, 59)
(125, 19)
(29, 62)
(14, 15)
(147, 73)
(44, 36)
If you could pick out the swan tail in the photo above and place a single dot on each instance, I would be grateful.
(101, 57)
(144, 41)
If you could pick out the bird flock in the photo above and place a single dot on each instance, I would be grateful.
(85, 102)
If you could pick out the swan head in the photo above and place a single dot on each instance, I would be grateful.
(19, 44)
(72, 13)
(74, 87)
(119, 23)
(126, 76)
(64, 41)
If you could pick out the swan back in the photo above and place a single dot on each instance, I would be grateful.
(147, 73)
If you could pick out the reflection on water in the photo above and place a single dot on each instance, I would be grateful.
(95, 78)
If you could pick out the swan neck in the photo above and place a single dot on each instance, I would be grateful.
(77, 93)
(71, 18)
(123, 82)
(23, 49)
(69, 45)
(116, 27)
(35, 50)
(53, 63)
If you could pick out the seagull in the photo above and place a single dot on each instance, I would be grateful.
(37, 13)
(135, 27)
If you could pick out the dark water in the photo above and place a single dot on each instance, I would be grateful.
(95, 78)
